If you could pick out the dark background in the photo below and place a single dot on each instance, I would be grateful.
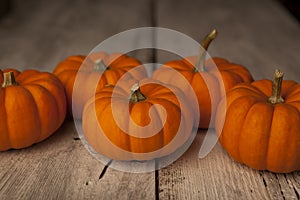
(293, 6)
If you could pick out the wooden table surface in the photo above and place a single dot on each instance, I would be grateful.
(259, 34)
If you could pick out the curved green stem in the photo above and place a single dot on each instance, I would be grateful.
(199, 64)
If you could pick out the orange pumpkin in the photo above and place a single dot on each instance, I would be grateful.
(32, 107)
(204, 79)
(105, 123)
(262, 124)
(110, 67)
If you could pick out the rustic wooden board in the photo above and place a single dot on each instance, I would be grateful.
(61, 168)
(39, 34)
(260, 35)
(217, 175)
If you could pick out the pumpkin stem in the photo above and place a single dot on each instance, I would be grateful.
(199, 65)
(100, 66)
(136, 94)
(9, 79)
(276, 88)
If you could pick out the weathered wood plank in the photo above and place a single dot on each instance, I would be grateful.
(218, 175)
(213, 177)
(39, 35)
(260, 35)
(61, 168)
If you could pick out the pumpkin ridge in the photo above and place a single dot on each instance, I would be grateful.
(268, 141)
(29, 95)
(276, 106)
(214, 77)
(59, 90)
(255, 91)
(173, 102)
(269, 128)
(295, 104)
(6, 121)
(240, 71)
(121, 62)
(179, 65)
(166, 137)
(137, 73)
(142, 114)
(115, 58)
(237, 148)
(35, 99)
(291, 93)
(37, 77)
(156, 93)
(71, 65)
(133, 137)
(105, 108)
(77, 57)
(162, 136)
(69, 82)
(162, 132)
(36, 107)
(62, 71)
(164, 100)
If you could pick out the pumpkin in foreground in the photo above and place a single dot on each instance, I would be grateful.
(86, 70)
(152, 133)
(209, 83)
(32, 107)
(262, 124)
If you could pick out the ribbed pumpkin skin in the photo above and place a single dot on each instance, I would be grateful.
(259, 134)
(32, 110)
(110, 136)
(231, 74)
(67, 70)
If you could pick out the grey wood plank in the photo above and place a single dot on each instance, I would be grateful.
(216, 176)
(261, 35)
(294, 182)
(39, 34)
(29, 172)
(61, 168)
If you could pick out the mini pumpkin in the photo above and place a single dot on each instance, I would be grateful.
(113, 134)
(205, 80)
(32, 107)
(86, 70)
(262, 124)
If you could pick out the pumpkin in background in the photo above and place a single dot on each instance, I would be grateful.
(206, 81)
(86, 70)
(262, 124)
(105, 123)
(32, 107)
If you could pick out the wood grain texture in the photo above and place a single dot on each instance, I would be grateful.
(61, 168)
(218, 176)
(262, 36)
(39, 34)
